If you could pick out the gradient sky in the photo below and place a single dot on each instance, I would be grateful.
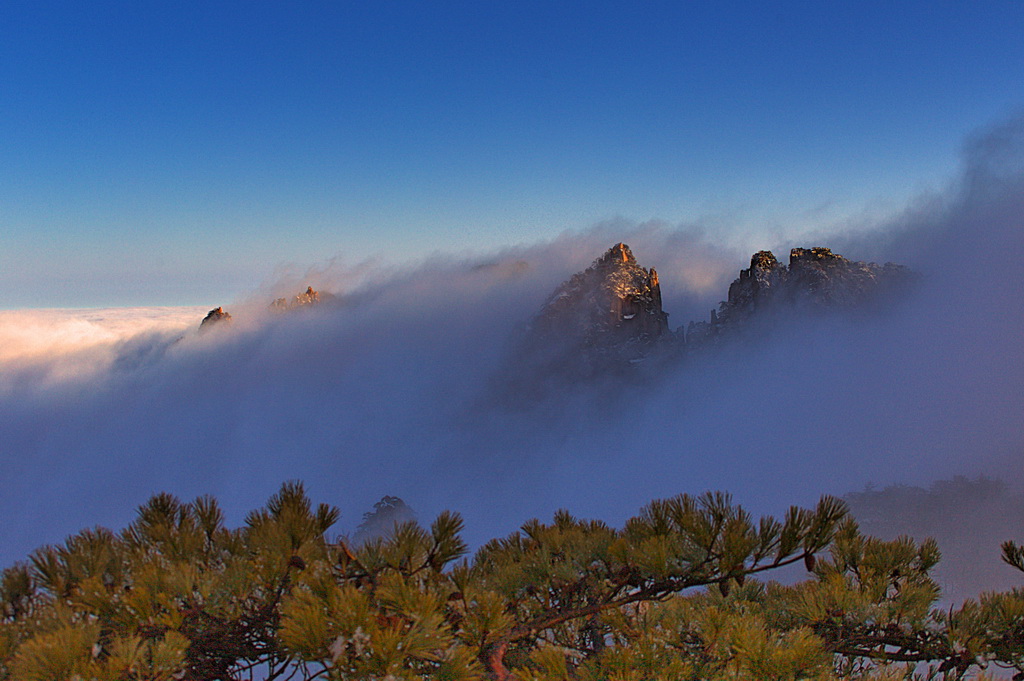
(176, 153)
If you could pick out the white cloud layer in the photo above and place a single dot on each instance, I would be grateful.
(63, 344)
(385, 393)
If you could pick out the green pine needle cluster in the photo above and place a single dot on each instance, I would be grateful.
(676, 593)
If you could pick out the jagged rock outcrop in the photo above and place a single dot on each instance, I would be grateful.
(214, 317)
(310, 297)
(218, 316)
(611, 313)
(824, 278)
(765, 276)
(599, 322)
(607, 322)
(816, 279)
(615, 301)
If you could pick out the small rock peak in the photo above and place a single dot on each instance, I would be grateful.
(214, 316)
(761, 263)
(310, 297)
(763, 260)
(816, 278)
(605, 316)
(807, 255)
(619, 253)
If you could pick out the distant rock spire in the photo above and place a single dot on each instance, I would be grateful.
(619, 253)
(602, 320)
(609, 317)
(816, 279)
(310, 297)
(213, 318)
(614, 297)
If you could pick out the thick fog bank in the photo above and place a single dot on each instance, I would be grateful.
(373, 394)
(970, 519)
(385, 391)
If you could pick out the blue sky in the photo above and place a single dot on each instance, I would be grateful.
(176, 153)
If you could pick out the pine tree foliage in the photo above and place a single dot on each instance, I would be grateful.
(676, 593)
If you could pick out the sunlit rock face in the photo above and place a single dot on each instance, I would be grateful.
(615, 301)
(754, 285)
(611, 312)
(816, 279)
(821, 277)
(309, 298)
(599, 323)
(608, 322)
(214, 317)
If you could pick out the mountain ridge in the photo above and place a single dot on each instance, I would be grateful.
(610, 315)
(607, 320)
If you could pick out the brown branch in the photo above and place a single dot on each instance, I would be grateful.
(654, 591)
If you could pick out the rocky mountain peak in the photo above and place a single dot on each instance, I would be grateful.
(818, 254)
(619, 253)
(214, 317)
(765, 274)
(764, 268)
(615, 296)
(598, 322)
(816, 278)
(309, 297)
(608, 318)
(823, 278)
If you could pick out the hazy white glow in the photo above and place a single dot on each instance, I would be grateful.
(51, 332)
(61, 344)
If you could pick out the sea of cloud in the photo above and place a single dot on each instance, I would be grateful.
(58, 345)
(387, 391)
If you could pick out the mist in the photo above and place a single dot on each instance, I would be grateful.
(385, 391)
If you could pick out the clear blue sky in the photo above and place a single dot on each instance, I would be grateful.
(175, 153)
